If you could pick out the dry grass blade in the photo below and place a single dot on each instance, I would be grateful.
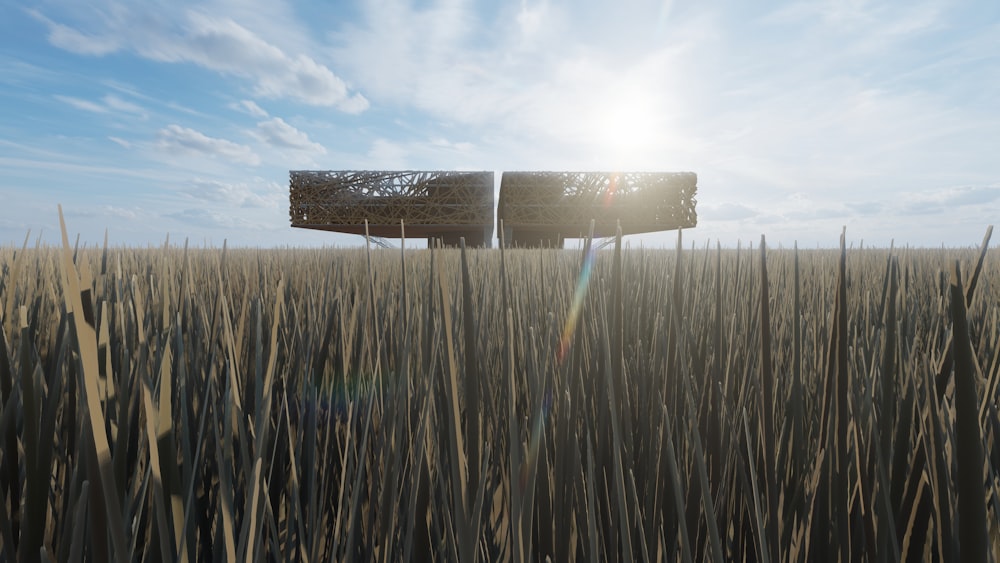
(36, 477)
(762, 535)
(9, 530)
(471, 381)
(709, 514)
(625, 527)
(164, 535)
(458, 462)
(76, 549)
(225, 537)
(970, 287)
(944, 366)
(767, 403)
(673, 473)
(86, 341)
(313, 405)
(10, 286)
(968, 437)
(517, 528)
(839, 383)
(9, 446)
(250, 536)
(797, 394)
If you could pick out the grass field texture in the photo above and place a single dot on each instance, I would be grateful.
(605, 404)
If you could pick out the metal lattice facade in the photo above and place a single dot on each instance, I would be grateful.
(429, 203)
(555, 205)
(535, 208)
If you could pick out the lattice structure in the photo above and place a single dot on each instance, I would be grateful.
(545, 207)
(433, 204)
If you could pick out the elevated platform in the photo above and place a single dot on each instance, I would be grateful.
(544, 208)
(442, 205)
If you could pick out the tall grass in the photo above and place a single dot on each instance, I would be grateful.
(759, 404)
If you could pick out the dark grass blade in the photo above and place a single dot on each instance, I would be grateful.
(767, 403)
(968, 437)
(183, 347)
(944, 367)
(11, 488)
(673, 474)
(8, 530)
(763, 537)
(86, 344)
(471, 379)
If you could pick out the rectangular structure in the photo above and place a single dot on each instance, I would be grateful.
(545, 207)
(432, 204)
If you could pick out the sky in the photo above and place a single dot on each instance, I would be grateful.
(182, 119)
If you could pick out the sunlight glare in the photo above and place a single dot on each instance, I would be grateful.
(627, 126)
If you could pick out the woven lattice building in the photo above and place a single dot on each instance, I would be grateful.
(420, 204)
(544, 208)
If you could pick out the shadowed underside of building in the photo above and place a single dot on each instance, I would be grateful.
(437, 205)
(544, 208)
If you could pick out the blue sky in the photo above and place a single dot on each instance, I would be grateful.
(169, 116)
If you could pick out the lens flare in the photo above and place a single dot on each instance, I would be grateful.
(582, 285)
(583, 282)
(609, 196)
(572, 319)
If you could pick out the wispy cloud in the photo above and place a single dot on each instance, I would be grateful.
(277, 133)
(797, 115)
(74, 41)
(223, 45)
(214, 42)
(124, 106)
(249, 107)
(81, 104)
(950, 199)
(72, 164)
(237, 194)
(107, 104)
(120, 142)
(728, 212)
(126, 213)
(175, 139)
(212, 219)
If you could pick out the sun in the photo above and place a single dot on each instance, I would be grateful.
(627, 125)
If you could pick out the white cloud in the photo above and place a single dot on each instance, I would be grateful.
(115, 103)
(217, 43)
(175, 139)
(208, 218)
(456, 146)
(237, 194)
(120, 142)
(121, 212)
(220, 219)
(74, 41)
(951, 198)
(225, 46)
(814, 115)
(84, 105)
(727, 212)
(108, 104)
(72, 164)
(249, 107)
(541, 77)
(531, 18)
(276, 132)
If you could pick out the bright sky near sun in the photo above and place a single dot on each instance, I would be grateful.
(183, 118)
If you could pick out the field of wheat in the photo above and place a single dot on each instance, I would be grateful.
(605, 404)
